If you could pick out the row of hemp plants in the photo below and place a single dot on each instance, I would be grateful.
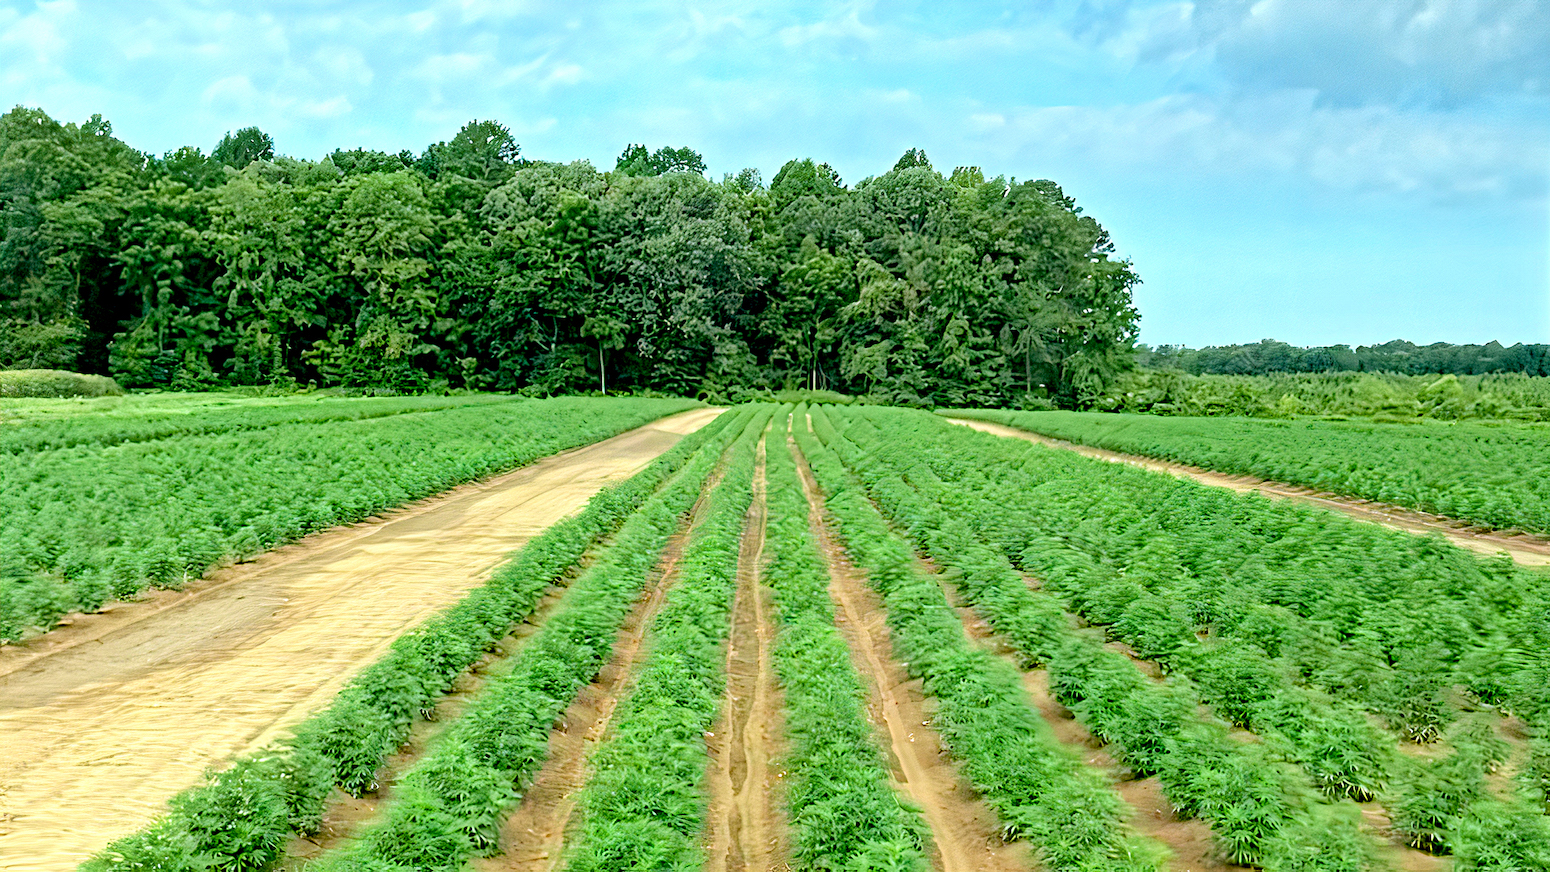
(80, 526)
(1040, 790)
(1152, 603)
(644, 804)
(1261, 813)
(844, 813)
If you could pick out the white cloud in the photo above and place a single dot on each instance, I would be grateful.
(844, 27)
(332, 108)
(1370, 149)
(564, 74)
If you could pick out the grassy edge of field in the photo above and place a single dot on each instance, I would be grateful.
(241, 818)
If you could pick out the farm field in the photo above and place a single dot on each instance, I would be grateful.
(1495, 475)
(828, 637)
(108, 717)
(95, 507)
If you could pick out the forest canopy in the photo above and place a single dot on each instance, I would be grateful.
(468, 265)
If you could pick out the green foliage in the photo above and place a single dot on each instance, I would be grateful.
(636, 160)
(1382, 396)
(55, 384)
(470, 265)
(237, 150)
(1399, 356)
(1304, 622)
(139, 503)
(1493, 475)
(644, 806)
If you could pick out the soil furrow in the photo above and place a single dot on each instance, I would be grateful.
(746, 830)
(963, 829)
(1525, 549)
(106, 719)
(532, 839)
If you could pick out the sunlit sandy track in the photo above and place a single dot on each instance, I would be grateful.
(104, 720)
(746, 830)
(1525, 550)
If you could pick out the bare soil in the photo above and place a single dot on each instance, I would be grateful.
(532, 838)
(746, 827)
(105, 719)
(1525, 549)
(963, 828)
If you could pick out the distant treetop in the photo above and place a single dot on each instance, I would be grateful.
(1269, 356)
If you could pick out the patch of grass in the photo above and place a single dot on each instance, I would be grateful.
(55, 383)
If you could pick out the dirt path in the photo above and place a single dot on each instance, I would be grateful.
(963, 828)
(532, 839)
(1525, 549)
(106, 719)
(747, 830)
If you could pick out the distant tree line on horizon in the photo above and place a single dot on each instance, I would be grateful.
(1406, 358)
(470, 266)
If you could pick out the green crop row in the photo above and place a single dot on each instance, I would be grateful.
(114, 422)
(644, 806)
(241, 819)
(1151, 603)
(1386, 619)
(844, 814)
(1332, 740)
(1493, 475)
(1040, 790)
(78, 526)
(1260, 812)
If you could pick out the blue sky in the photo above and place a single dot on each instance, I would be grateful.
(1313, 171)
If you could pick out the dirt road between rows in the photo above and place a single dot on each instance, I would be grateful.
(105, 719)
(1524, 549)
(746, 830)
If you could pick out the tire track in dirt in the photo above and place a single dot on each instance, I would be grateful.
(532, 838)
(963, 828)
(746, 829)
(105, 720)
(1523, 548)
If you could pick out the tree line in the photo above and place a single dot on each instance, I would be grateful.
(1406, 358)
(470, 266)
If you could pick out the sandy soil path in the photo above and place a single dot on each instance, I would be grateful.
(746, 829)
(106, 719)
(963, 829)
(1525, 549)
